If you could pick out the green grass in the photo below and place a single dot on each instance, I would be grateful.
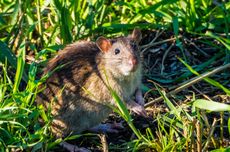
(20, 128)
(37, 29)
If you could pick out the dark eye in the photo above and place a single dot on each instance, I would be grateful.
(117, 51)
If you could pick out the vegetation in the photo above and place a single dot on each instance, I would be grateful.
(183, 40)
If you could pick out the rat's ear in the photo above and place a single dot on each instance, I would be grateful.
(136, 35)
(103, 44)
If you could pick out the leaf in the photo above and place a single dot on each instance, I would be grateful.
(66, 25)
(20, 68)
(121, 106)
(7, 54)
(43, 113)
(176, 26)
(211, 105)
(2, 21)
(173, 109)
(229, 125)
(210, 34)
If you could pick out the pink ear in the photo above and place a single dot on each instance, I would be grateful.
(103, 44)
(136, 35)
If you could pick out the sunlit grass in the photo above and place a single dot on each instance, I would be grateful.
(40, 28)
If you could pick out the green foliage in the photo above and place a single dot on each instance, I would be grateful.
(7, 54)
(47, 23)
(211, 105)
(44, 26)
(20, 69)
(19, 125)
(211, 81)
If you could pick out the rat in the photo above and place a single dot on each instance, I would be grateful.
(77, 89)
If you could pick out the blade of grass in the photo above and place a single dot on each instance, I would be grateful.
(211, 105)
(229, 125)
(223, 41)
(176, 32)
(7, 54)
(20, 68)
(40, 31)
(173, 109)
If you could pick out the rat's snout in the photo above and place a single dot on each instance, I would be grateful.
(133, 62)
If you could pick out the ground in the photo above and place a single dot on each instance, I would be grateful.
(162, 68)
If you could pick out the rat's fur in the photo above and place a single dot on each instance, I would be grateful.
(77, 93)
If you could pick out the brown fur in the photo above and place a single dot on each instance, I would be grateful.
(78, 93)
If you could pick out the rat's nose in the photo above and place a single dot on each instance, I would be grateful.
(133, 61)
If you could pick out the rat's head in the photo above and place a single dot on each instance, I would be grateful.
(121, 55)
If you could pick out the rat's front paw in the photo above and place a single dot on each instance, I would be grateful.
(140, 110)
(136, 108)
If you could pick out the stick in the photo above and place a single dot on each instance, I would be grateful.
(192, 81)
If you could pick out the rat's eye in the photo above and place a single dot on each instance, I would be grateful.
(117, 51)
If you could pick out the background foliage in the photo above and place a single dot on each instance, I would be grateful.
(32, 31)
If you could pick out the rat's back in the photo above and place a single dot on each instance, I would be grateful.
(73, 70)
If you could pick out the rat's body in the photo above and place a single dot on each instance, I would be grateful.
(78, 92)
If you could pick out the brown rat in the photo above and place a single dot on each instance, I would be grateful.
(77, 91)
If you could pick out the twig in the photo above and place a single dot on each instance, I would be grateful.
(191, 82)
(221, 129)
(104, 143)
(193, 135)
(199, 136)
(210, 135)
(203, 52)
(155, 63)
(205, 118)
(156, 43)
(164, 56)
(153, 40)
(204, 95)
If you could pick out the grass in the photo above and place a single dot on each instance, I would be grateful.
(32, 31)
